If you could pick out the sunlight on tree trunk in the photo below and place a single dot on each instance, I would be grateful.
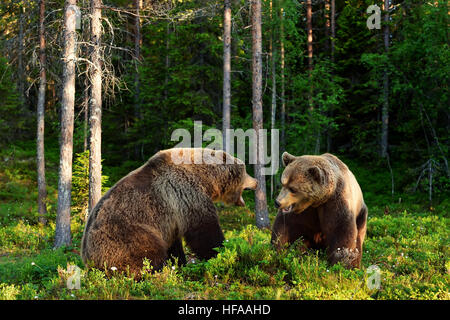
(261, 212)
(309, 31)
(273, 111)
(95, 143)
(310, 35)
(62, 229)
(226, 73)
(283, 94)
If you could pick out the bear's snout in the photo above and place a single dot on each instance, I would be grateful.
(250, 183)
(277, 204)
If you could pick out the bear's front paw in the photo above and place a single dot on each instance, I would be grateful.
(346, 256)
(319, 237)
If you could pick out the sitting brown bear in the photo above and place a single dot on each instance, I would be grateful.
(148, 212)
(321, 202)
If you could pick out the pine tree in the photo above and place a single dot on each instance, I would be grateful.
(42, 188)
(261, 211)
(95, 120)
(62, 230)
(226, 73)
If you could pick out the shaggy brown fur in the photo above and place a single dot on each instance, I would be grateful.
(322, 203)
(147, 213)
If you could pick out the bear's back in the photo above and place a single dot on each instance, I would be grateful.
(122, 202)
(351, 191)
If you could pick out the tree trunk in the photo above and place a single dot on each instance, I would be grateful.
(137, 81)
(327, 25)
(310, 66)
(283, 100)
(385, 108)
(331, 24)
(226, 74)
(166, 78)
(274, 87)
(42, 188)
(20, 62)
(62, 229)
(333, 28)
(86, 94)
(310, 35)
(95, 121)
(261, 212)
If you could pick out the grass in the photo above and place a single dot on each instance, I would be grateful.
(408, 241)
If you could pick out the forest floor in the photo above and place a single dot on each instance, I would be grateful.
(409, 243)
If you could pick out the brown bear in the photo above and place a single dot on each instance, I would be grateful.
(321, 202)
(148, 212)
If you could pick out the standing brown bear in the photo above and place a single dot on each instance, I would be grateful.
(148, 212)
(322, 203)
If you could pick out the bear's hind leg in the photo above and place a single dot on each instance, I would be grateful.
(176, 251)
(141, 242)
(361, 221)
(341, 235)
(204, 237)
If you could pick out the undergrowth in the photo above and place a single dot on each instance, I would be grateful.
(408, 241)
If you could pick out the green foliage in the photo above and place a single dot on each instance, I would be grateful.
(80, 184)
(12, 121)
(411, 250)
(317, 95)
(410, 246)
(406, 240)
(24, 238)
(181, 82)
(18, 187)
(37, 268)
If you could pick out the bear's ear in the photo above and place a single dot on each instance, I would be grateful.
(287, 158)
(317, 174)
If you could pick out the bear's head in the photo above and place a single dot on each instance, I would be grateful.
(233, 194)
(306, 181)
(223, 175)
(234, 179)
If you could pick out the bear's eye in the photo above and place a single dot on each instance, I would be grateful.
(292, 190)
